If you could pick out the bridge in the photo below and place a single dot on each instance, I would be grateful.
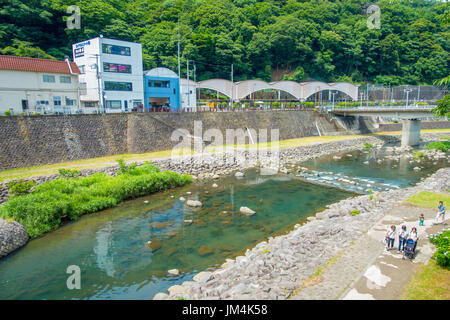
(410, 115)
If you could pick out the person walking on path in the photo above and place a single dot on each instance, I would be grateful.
(402, 235)
(390, 238)
(441, 214)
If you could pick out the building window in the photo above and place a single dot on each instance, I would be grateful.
(70, 102)
(89, 104)
(118, 86)
(56, 101)
(115, 67)
(113, 49)
(78, 52)
(48, 78)
(65, 79)
(159, 84)
(82, 69)
(114, 104)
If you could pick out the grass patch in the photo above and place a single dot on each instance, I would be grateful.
(64, 199)
(428, 199)
(418, 154)
(92, 163)
(439, 145)
(430, 282)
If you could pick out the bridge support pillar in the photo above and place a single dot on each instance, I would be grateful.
(411, 132)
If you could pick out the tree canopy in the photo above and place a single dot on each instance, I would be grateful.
(265, 39)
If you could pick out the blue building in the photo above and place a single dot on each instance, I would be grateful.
(161, 90)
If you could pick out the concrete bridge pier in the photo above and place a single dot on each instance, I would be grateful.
(411, 132)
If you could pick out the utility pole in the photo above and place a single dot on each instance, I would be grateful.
(179, 69)
(196, 89)
(101, 106)
(407, 90)
(418, 95)
(231, 96)
(188, 92)
(367, 101)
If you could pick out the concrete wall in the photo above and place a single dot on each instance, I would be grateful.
(38, 140)
(425, 125)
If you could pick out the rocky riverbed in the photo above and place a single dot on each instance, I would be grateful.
(214, 165)
(273, 269)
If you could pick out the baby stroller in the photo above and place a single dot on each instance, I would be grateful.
(409, 249)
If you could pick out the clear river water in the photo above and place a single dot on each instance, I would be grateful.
(116, 263)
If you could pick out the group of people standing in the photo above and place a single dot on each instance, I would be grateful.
(404, 235)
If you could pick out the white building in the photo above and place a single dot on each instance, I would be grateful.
(38, 85)
(188, 95)
(113, 74)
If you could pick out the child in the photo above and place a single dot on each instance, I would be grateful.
(421, 220)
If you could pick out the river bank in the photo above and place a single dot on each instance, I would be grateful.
(276, 268)
(215, 165)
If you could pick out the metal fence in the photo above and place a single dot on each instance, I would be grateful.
(413, 94)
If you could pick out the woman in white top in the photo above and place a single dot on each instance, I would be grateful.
(390, 238)
(402, 235)
(413, 236)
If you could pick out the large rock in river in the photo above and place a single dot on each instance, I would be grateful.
(247, 211)
(12, 236)
(193, 203)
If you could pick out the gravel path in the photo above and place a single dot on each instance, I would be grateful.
(277, 268)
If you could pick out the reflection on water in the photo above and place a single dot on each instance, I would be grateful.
(360, 170)
(110, 246)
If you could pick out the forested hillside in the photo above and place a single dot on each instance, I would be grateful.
(300, 39)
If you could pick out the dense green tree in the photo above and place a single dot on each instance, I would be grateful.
(327, 40)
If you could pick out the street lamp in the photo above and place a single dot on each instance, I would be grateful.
(407, 90)
(333, 93)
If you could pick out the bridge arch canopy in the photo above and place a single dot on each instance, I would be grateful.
(301, 91)
(314, 87)
(245, 88)
(223, 86)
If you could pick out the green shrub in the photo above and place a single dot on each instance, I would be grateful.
(395, 121)
(440, 145)
(368, 145)
(66, 173)
(442, 242)
(53, 202)
(8, 113)
(418, 154)
(355, 213)
(20, 187)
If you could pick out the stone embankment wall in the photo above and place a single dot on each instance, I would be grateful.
(39, 140)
